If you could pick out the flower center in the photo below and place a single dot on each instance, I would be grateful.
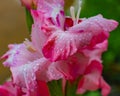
(29, 46)
(72, 12)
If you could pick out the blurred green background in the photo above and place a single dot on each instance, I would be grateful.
(13, 29)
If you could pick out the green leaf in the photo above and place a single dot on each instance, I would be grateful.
(29, 20)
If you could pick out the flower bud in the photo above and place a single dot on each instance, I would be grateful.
(29, 3)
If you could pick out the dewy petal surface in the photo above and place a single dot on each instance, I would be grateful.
(25, 75)
(62, 44)
(98, 26)
(95, 24)
(50, 73)
(18, 55)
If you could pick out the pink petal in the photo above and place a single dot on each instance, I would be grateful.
(37, 16)
(90, 80)
(73, 67)
(105, 87)
(88, 33)
(4, 92)
(95, 24)
(96, 52)
(8, 89)
(48, 6)
(49, 73)
(25, 75)
(43, 89)
(18, 55)
(69, 69)
(53, 9)
(39, 35)
(40, 90)
(98, 26)
(61, 45)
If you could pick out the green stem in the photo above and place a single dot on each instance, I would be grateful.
(29, 19)
(71, 88)
(55, 88)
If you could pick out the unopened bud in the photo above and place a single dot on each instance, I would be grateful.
(29, 3)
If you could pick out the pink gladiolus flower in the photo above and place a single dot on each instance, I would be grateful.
(87, 33)
(76, 35)
(60, 47)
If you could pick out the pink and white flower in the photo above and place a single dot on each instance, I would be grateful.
(60, 47)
